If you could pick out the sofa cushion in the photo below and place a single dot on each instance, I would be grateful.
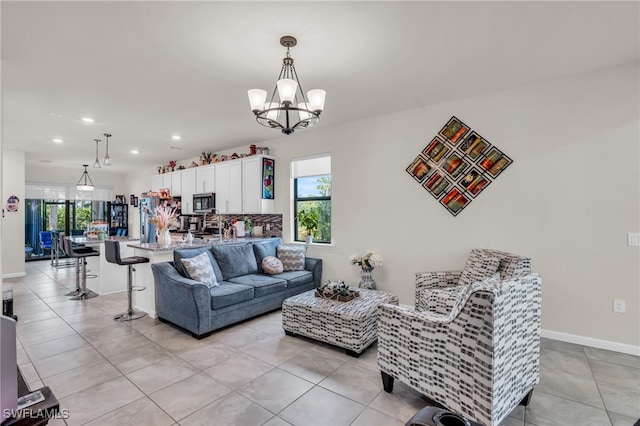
(272, 265)
(192, 252)
(295, 278)
(292, 257)
(449, 301)
(479, 267)
(199, 269)
(235, 260)
(227, 294)
(265, 248)
(262, 284)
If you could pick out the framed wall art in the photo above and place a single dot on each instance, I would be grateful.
(457, 165)
(268, 167)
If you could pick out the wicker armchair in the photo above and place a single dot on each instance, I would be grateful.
(473, 347)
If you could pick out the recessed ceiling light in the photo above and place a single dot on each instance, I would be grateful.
(58, 140)
(175, 148)
(176, 137)
(87, 119)
(134, 151)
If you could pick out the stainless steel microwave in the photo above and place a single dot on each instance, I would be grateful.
(204, 202)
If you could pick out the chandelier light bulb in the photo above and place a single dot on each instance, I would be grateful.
(287, 89)
(316, 99)
(257, 98)
(304, 115)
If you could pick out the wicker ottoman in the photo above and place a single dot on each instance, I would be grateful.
(350, 325)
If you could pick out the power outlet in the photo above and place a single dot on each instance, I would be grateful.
(619, 306)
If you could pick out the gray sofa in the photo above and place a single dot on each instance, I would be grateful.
(244, 290)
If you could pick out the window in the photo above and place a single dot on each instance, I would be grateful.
(312, 198)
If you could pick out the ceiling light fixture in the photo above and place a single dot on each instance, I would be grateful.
(58, 140)
(107, 159)
(85, 183)
(176, 137)
(290, 109)
(96, 164)
(87, 119)
(134, 151)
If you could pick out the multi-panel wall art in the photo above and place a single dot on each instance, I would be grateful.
(457, 165)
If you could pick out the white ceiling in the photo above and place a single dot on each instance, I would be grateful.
(147, 70)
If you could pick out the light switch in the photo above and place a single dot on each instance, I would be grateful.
(633, 239)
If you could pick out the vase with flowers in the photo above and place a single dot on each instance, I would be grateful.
(163, 218)
(367, 263)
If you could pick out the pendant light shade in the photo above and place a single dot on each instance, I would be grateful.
(96, 164)
(85, 183)
(107, 159)
(289, 108)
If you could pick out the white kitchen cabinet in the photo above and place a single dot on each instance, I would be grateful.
(188, 188)
(228, 189)
(176, 184)
(205, 179)
(166, 181)
(156, 182)
(252, 201)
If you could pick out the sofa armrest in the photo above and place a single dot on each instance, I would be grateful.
(181, 300)
(315, 266)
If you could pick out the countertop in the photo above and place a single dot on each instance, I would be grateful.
(197, 242)
(85, 240)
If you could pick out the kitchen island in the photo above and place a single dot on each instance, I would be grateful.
(146, 300)
(109, 278)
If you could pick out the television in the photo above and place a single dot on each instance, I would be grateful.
(8, 368)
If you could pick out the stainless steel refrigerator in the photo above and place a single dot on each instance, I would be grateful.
(148, 228)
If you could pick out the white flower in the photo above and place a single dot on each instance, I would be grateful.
(369, 260)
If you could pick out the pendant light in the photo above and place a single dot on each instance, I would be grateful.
(85, 183)
(96, 164)
(288, 108)
(107, 159)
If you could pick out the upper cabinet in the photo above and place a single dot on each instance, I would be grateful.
(188, 189)
(241, 186)
(253, 186)
(228, 178)
(205, 179)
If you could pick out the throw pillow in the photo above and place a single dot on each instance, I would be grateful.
(479, 268)
(272, 265)
(292, 257)
(199, 269)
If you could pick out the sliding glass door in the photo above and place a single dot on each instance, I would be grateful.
(69, 216)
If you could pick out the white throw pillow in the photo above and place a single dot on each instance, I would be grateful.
(272, 265)
(199, 269)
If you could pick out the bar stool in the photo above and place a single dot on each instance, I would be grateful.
(80, 254)
(112, 254)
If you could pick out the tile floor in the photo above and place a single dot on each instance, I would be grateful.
(148, 373)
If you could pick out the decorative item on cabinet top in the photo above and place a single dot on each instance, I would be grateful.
(208, 157)
(457, 165)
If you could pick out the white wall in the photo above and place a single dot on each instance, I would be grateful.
(13, 264)
(567, 201)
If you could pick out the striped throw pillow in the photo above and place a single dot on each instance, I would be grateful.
(292, 257)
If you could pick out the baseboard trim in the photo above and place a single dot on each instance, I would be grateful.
(15, 275)
(590, 341)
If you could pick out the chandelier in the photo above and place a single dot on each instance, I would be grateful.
(288, 108)
(85, 183)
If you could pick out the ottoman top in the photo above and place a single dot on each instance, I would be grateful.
(368, 302)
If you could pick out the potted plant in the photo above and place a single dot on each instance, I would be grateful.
(308, 219)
